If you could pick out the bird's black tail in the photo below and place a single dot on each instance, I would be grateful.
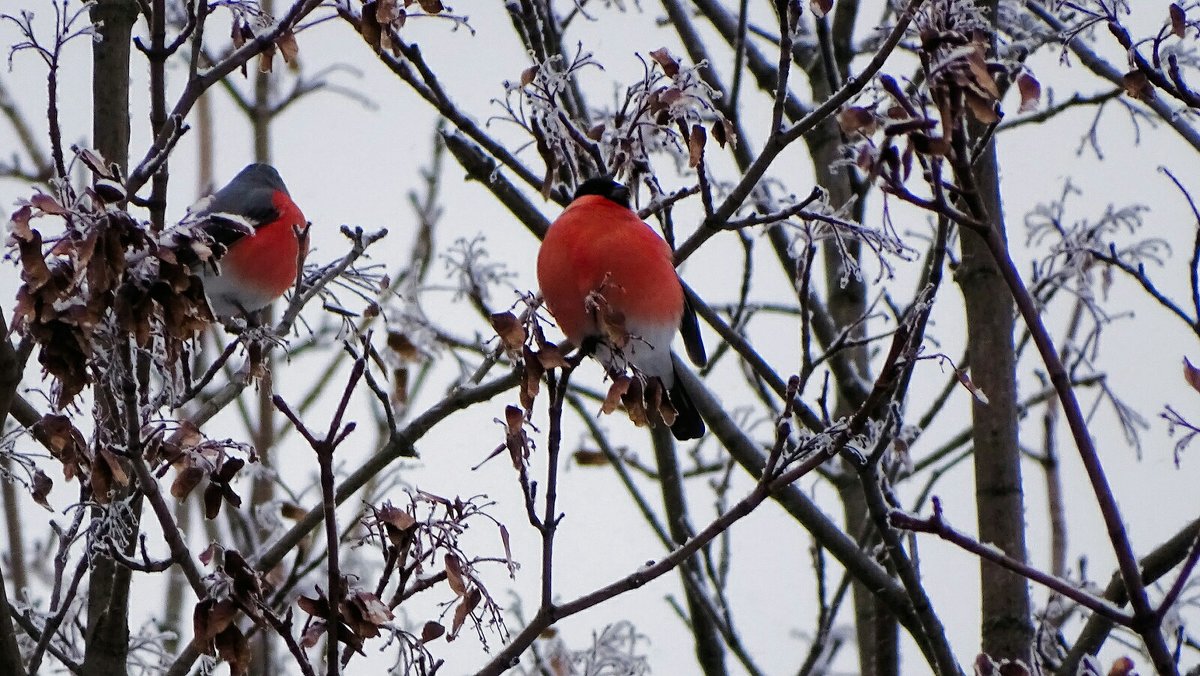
(688, 423)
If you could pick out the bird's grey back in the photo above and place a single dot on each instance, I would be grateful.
(250, 193)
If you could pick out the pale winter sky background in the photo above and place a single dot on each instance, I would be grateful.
(346, 163)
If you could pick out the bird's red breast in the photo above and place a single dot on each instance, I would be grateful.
(267, 260)
(597, 245)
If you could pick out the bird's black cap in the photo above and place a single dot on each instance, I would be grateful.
(251, 194)
(606, 188)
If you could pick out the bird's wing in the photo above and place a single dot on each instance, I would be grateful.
(255, 205)
(689, 328)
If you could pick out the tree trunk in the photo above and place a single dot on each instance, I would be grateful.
(10, 379)
(1007, 631)
(107, 637)
(1006, 627)
(710, 651)
(263, 436)
(876, 630)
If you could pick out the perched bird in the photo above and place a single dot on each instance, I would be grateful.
(600, 267)
(255, 218)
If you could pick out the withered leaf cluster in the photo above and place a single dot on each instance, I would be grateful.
(94, 275)
(662, 99)
(406, 354)
(70, 284)
(961, 79)
(960, 73)
(421, 550)
(468, 592)
(105, 269)
(242, 32)
(198, 460)
(101, 467)
(213, 617)
(213, 626)
(382, 17)
(360, 615)
(643, 399)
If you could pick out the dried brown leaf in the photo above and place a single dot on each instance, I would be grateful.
(929, 145)
(398, 524)
(550, 357)
(667, 62)
(34, 270)
(101, 481)
(1122, 666)
(586, 458)
(233, 647)
(463, 611)
(635, 404)
(965, 380)
(856, 118)
(317, 607)
(981, 78)
(18, 223)
(237, 34)
(820, 7)
(186, 481)
(531, 380)
(400, 343)
(1137, 85)
(369, 26)
(509, 328)
(288, 47)
(611, 322)
(291, 511)
(211, 617)
(696, 141)
(312, 634)
(386, 11)
(212, 501)
(718, 133)
(114, 465)
(399, 393)
(454, 574)
(1031, 92)
(266, 59)
(373, 610)
(529, 75)
(1178, 20)
(615, 393)
(209, 552)
(983, 109)
(514, 419)
(47, 204)
(96, 162)
(431, 631)
(508, 559)
(1191, 374)
(229, 469)
(188, 435)
(40, 489)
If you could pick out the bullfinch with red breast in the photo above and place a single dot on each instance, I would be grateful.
(255, 218)
(599, 261)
